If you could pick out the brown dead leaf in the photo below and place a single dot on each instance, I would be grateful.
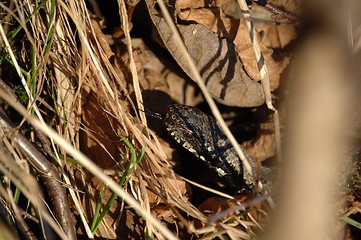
(214, 205)
(184, 4)
(292, 6)
(148, 66)
(162, 211)
(177, 185)
(216, 59)
(182, 91)
(98, 133)
(217, 204)
(229, 7)
(264, 146)
(274, 37)
(131, 226)
(101, 37)
(156, 80)
(130, 5)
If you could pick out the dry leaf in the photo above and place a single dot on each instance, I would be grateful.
(131, 226)
(217, 204)
(98, 133)
(101, 37)
(180, 186)
(216, 59)
(264, 146)
(182, 91)
(161, 211)
(274, 37)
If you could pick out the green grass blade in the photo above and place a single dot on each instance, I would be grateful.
(17, 30)
(97, 210)
(352, 222)
(134, 159)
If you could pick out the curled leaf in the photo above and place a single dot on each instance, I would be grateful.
(217, 61)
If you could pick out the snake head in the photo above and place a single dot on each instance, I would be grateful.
(183, 124)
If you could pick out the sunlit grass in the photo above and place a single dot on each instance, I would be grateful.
(133, 160)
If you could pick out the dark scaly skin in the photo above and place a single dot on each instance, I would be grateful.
(200, 134)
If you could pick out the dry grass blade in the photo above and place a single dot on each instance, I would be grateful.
(257, 50)
(86, 162)
(263, 73)
(133, 69)
(215, 218)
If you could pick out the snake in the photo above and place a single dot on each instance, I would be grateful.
(201, 135)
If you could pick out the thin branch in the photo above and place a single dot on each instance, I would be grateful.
(47, 171)
(23, 226)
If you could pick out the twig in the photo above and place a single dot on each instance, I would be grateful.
(48, 173)
(27, 184)
(23, 226)
(46, 144)
(213, 219)
(276, 10)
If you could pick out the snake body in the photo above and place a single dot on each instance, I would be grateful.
(201, 135)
